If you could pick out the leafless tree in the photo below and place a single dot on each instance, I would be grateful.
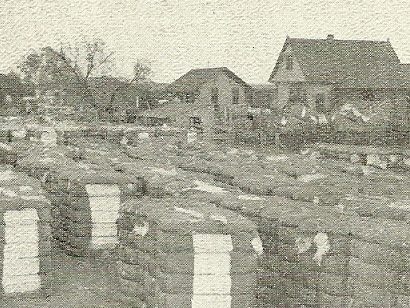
(142, 73)
(69, 66)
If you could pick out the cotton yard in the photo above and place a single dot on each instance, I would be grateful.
(132, 216)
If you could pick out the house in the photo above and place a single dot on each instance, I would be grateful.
(324, 74)
(219, 98)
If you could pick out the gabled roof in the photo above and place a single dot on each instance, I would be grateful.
(195, 78)
(345, 63)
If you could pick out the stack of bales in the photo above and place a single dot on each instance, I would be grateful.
(115, 134)
(178, 252)
(306, 256)
(326, 256)
(25, 231)
(7, 154)
(99, 151)
(379, 264)
(161, 180)
(262, 183)
(40, 160)
(12, 152)
(305, 250)
(379, 157)
(386, 183)
(87, 202)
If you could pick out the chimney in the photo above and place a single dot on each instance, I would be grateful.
(330, 37)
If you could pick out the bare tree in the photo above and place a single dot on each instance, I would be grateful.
(69, 66)
(142, 73)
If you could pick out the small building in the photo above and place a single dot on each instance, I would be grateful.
(327, 73)
(217, 96)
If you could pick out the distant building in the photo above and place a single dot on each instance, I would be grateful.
(12, 94)
(219, 97)
(264, 96)
(324, 73)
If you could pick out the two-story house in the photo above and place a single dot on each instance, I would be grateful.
(326, 73)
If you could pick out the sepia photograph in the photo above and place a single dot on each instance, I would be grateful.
(204, 153)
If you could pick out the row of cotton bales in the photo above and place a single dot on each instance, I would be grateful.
(314, 252)
(85, 205)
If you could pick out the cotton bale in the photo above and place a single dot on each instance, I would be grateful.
(25, 246)
(188, 253)
(380, 259)
(308, 246)
(92, 197)
(161, 180)
(115, 135)
(41, 160)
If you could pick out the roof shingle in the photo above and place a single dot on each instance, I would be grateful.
(195, 78)
(345, 63)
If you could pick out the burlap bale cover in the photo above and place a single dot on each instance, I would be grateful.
(380, 263)
(162, 180)
(7, 154)
(42, 159)
(376, 207)
(338, 254)
(88, 209)
(25, 236)
(181, 252)
(262, 183)
(308, 248)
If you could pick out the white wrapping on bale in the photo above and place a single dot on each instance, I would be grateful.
(21, 266)
(105, 204)
(86, 199)
(212, 265)
(25, 234)
(186, 255)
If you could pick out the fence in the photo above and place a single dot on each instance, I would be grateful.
(298, 138)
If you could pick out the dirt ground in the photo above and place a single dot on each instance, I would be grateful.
(77, 282)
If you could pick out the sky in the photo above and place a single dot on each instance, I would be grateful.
(176, 36)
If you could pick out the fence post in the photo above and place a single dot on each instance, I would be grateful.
(277, 140)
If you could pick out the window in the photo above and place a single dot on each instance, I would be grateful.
(320, 103)
(214, 98)
(297, 94)
(235, 96)
(195, 122)
(289, 62)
